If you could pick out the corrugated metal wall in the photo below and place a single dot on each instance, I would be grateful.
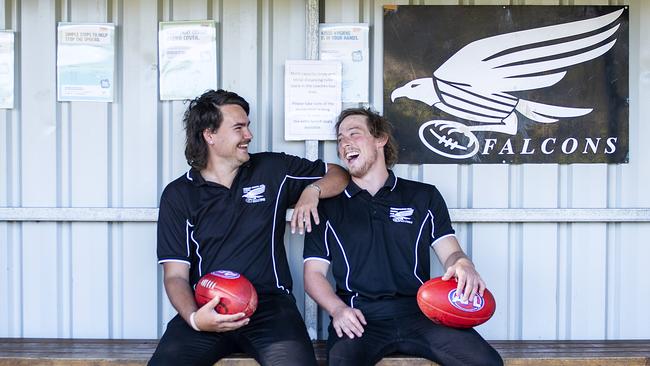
(78, 279)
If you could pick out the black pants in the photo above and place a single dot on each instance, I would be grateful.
(412, 335)
(276, 335)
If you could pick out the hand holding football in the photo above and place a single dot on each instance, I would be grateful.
(439, 301)
(237, 294)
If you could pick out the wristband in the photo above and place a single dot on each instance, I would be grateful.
(193, 322)
(316, 187)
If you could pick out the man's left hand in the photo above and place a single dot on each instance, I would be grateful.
(469, 281)
(306, 207)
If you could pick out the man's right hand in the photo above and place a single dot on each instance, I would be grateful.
(349, 321)
(208, 320)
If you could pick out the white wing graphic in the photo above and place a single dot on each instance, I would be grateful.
(408, 212)
(494, 65)
(404, 212)
(255, 192)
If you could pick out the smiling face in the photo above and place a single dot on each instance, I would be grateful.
(358, 149)
(229, 143)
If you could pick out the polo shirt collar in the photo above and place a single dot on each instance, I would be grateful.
(194, 175)
(353, 189)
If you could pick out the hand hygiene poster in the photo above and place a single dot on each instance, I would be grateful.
(348, 43)
(85, 62)
(187, 54)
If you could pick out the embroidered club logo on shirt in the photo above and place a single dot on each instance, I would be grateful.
(401, 215)
(254, 194)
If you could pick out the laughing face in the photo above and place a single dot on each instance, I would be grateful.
(358, 149)
(229, 143)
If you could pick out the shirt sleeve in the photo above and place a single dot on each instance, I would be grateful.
(300, 173)
(441, 221)
(316, 243)
(173, 231)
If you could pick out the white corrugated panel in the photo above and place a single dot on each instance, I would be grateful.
(99, 280)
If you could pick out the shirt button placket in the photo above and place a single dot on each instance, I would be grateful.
(373, 207)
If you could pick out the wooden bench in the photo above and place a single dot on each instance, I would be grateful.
(102, 352)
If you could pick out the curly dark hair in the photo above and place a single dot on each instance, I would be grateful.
(378, 127)
(204, 113)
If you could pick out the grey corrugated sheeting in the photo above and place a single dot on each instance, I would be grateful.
(94, 279)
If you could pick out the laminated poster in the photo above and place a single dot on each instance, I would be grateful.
(348, 43)
(312, 97)
(187, 54)
(6, 69)
(85, 62)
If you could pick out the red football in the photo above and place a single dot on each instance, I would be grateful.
(237, 293)
(438, 301)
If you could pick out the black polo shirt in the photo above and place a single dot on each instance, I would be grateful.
(378, 246)
(211, 227)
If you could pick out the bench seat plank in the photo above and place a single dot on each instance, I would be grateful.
(136, 352)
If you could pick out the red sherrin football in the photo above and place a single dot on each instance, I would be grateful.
(438, 301)
(237, 293)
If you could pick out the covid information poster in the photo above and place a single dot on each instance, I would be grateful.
(85, 62)
(187, 53)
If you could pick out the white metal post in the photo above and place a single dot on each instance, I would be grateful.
(311, 148)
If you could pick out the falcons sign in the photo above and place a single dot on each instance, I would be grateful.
(507, 84)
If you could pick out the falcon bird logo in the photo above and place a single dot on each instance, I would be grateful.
(254, 194)
(474, 83)
(401, 215)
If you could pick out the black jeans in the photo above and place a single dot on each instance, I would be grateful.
(412, 335)
(276, 335)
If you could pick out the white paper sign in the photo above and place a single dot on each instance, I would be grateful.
(312, 99)
(85, 62)
(187, 54)
(6, 69)
(348, 43)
